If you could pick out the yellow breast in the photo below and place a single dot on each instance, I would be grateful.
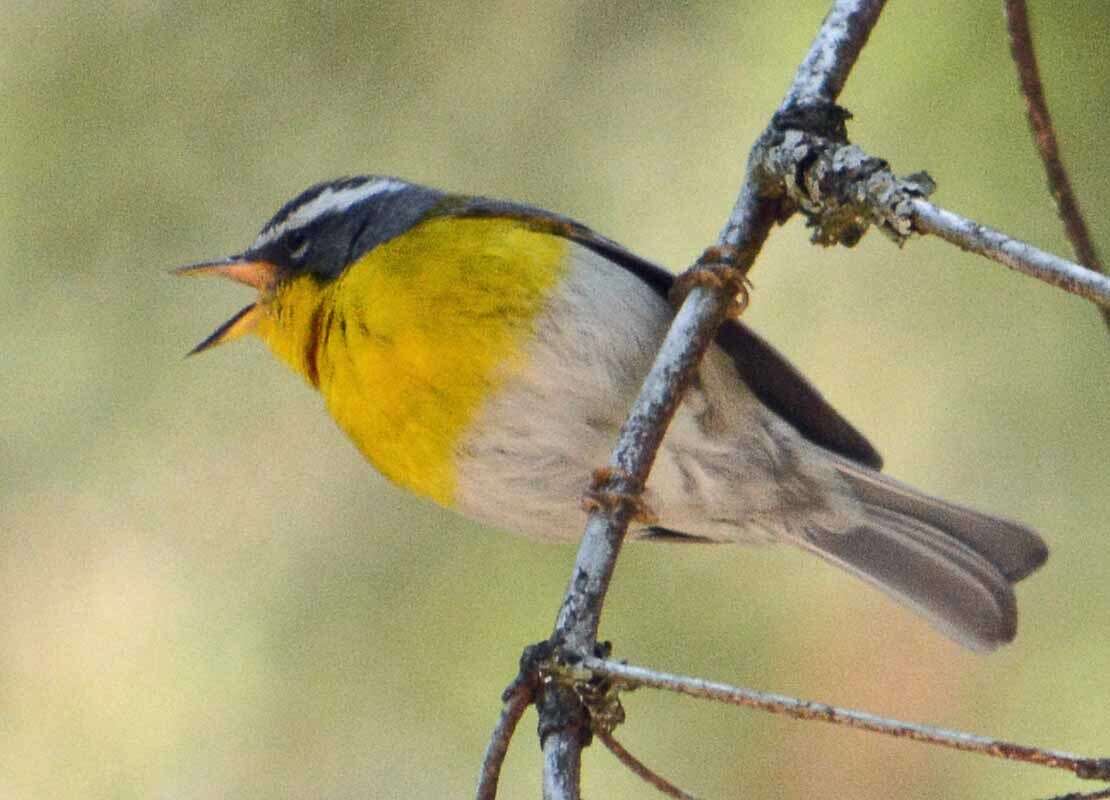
(411, 339)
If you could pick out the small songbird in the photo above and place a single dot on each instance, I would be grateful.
(483, 354)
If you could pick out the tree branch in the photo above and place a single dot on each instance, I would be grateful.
(1044, 136)
(1015, 254)
(842, 191)
(1087, 768)
(515, 699)
(802, 163)
(641, 769)
(821, 77)
(818, 82)
(564, 724)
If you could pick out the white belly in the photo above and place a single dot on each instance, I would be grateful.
(729, 469)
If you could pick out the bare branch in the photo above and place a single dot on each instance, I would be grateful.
(576, 627)
(1044, 136)
(640, 768)
(1088, 768)
(516, 698)
(821, 77)
(1016, 255)
(802, 163)
(562, 748)
(818, 82)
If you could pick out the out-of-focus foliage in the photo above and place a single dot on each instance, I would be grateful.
(205, 591)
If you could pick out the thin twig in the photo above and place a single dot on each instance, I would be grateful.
(821, 77)
(1088, 768)
(1044, 136)
(516, 699)
(640, 768)
(1015, 254)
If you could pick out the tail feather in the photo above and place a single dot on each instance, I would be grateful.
(953, 565)
(1013, 549)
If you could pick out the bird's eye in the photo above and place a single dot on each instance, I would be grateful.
(296, 244)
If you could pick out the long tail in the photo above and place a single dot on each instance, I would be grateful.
(952, 564)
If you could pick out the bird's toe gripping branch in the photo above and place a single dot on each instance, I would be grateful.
(721, 267)
(601, 496)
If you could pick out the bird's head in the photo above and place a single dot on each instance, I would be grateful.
(312, 239)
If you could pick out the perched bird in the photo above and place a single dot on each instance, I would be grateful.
(484, 354)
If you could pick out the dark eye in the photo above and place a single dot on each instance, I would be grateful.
(296, 245)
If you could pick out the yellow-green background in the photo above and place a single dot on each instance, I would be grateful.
(204, 592)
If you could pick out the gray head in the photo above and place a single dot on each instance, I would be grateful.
(330, 225)
(319, 232)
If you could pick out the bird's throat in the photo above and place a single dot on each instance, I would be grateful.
(290, 324)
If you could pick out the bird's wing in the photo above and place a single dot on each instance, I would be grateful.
(768, 375)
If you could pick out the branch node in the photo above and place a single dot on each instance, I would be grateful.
(805, 162)
(599, 693)
(532, 661)
(843, 191)
(823, 119)
(603, 496)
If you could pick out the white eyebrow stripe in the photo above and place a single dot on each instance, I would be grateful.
(328, 201)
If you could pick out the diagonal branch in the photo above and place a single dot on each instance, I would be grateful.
(563, 721)
(1082, 767)
(516, 698)
(802, 163)
(1015, 254)
(1044, 136)
(641, 769)
(821, 75)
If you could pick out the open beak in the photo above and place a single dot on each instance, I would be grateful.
(260, 275)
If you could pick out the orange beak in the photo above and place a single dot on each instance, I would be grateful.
(260, 275)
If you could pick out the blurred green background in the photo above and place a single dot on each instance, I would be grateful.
(204, 592)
